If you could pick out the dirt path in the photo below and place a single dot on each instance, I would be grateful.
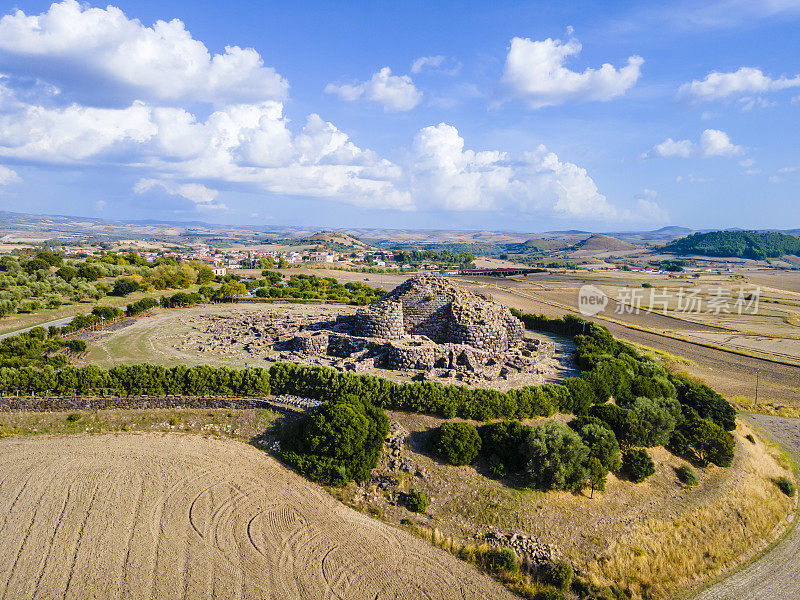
(180, 516)
(775, 575)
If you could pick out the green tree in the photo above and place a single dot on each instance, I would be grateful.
(90, 271)
(457, 443)
(229, 289)
(502, 444)
(36, 264)
(597, 475)
(338, 442)
(557, 457)
(67, 273)
(205, 274)
(707, 441)
(602, 445)
(657, 418)
(637, 464)
(124, 286)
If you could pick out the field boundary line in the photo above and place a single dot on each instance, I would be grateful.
(766, 357)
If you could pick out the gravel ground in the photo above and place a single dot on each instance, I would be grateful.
(774, 576)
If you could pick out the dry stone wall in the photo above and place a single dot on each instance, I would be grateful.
(70, 403)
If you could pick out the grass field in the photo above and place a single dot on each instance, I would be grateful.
(11, 323)
(239, 424)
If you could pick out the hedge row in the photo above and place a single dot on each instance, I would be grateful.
(609, 368)
(446, 401)
(153, 380)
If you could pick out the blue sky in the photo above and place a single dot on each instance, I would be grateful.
(523, 116)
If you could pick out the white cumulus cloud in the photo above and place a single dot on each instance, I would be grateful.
(713, 142)
(8, 176)
(717, 143)
(446, 176)
(202, 196)
(535, 72)
(672, 148)
(746, 80)
(92, 53)
(395, 93)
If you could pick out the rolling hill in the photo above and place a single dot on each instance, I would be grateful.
(603, 243)
(736, 244)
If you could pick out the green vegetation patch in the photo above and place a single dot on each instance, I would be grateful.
(737, 244)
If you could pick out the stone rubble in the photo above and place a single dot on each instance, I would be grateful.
(535, 554)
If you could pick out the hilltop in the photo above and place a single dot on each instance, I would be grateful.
(603, 243)
(336, 240)
(736, 244)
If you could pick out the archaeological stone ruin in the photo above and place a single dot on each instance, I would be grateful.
(428, 327)
(430, 324)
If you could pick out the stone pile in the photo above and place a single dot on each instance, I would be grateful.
(534, 553)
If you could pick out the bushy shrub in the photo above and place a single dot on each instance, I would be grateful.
(687, 476)
(582, 394)
(75, 345)
(501, 444)
(637, 465)
(708, 403)
(36, 264)
(500, 560)
(557, 457)
(124, 286)
(749, 437)
(74, 417)
(107, 312)
(559, 575)
(51, 257)
(623, 422)
(457, 443)
(417, 501)
(67, 273)
(339, 441)
(786, 486)
(140, 306)
(657, 420)
(549, 594)
(597, 475)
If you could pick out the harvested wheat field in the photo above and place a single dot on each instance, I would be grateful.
(180, 516)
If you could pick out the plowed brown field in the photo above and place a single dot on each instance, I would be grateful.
(180, 516)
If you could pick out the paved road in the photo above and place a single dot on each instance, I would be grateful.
(57, 323)
(776, 575)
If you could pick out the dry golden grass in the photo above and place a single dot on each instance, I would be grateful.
(660, 556)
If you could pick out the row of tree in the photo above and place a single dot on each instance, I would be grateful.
(145, 379)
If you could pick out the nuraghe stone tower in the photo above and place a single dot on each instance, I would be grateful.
(433, 306)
